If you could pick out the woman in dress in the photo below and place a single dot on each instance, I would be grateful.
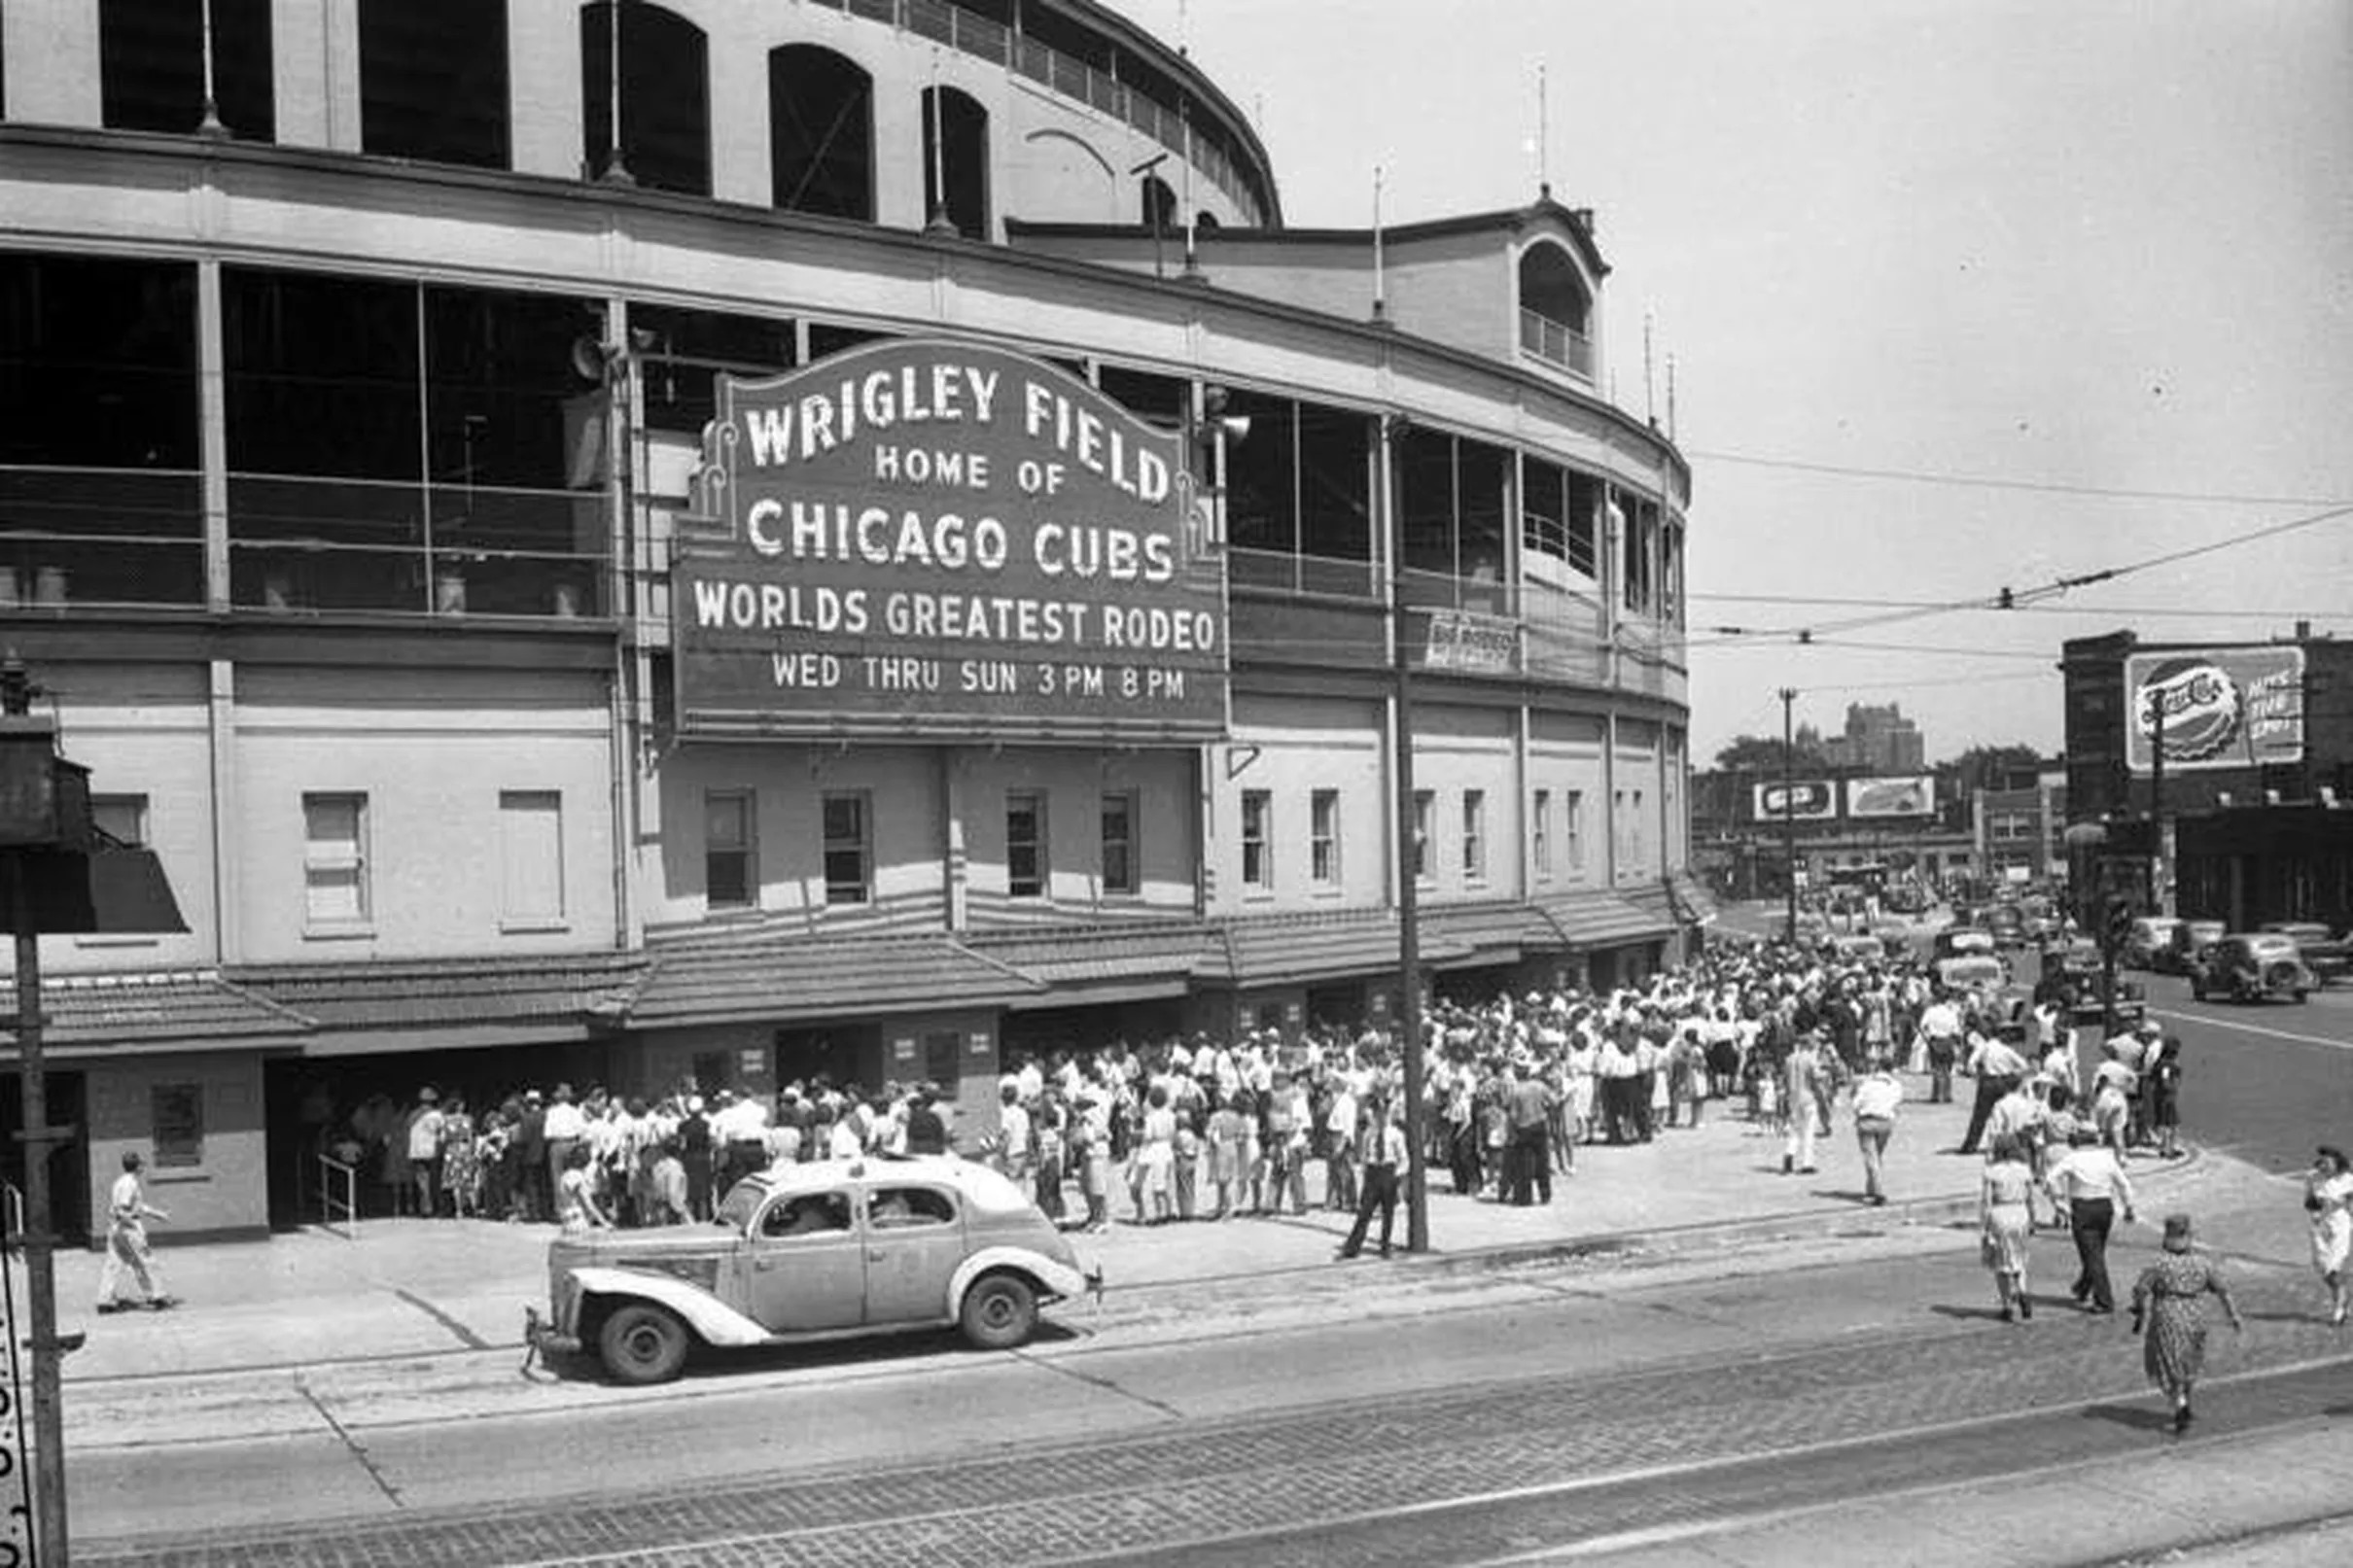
(1226, 1164)
(2169, 1305)
(2160, 1089)
(2003, 1222)
(461, 1161)
(2328, 1201)
(1156, 1160)
(577, 1210)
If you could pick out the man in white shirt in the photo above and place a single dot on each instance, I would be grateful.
(1877, 1095)
(1940, 1034)
(424, 1139)
(2090, 1187)
(126, 1248)
(1998, 1070)
(1383, 1156)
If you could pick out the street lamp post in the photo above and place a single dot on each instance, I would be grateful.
(1789, 804)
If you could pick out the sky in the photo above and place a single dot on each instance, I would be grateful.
(2003, 252)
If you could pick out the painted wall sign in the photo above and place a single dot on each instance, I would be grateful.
(931, 539)
(1912, 796)
(1806, 799)
(2221, 707)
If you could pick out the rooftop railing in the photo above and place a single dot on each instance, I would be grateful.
(1556, 343)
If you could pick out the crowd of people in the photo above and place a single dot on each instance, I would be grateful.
(1209, 1128)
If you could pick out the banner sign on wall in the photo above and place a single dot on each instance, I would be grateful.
(2221, 707)
(1804, 799)
(927, 539)
(1913, 796)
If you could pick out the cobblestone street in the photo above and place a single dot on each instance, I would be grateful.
(1575, 1459)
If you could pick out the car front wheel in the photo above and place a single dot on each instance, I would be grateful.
(643, 1344)
(999, 1313)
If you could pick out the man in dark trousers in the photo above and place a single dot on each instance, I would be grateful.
(695, 1154)
(1998, 1068)
(532, 1197)
(1528, 1161)
(1384, 1158)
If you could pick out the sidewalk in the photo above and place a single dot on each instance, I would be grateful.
(414, 1287)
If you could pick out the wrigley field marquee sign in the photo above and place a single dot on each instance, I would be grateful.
(927, 539)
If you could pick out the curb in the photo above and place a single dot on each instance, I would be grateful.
(1918, 1213)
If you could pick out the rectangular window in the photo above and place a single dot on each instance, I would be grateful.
(730, 849)
(1474, 835)
(1257, 851)
(1539, 832)
(1426, 822)
(530, 858)
(1026, 845)
(1576, 832)
(1119, 870)
(335, 860)
(176, 1124)
(1323, 838)
(849, 850)
(121, 818)
(943, 1060)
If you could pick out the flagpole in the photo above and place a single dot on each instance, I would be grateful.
(1380, 257)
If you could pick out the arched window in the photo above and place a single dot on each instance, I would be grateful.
(1204, 220)
(665, 90)
(960, 127)
(433, 80)
(1555, 309)
(151, 67)
(1159, 204)
(821, 130)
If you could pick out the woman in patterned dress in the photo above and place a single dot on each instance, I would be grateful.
(2328, 1201)
(2169, 1305)
(461, 1161)
(2004, 1221)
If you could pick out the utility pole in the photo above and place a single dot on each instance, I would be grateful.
(1789, 803)
(1408, 871)
(40, 1246)
(2158, 900)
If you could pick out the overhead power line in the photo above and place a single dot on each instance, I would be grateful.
(1978, 481)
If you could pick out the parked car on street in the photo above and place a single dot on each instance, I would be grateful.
(821, 1251)
(2149, 935)
(2008, 923)
(2188, 940)
(2251, 966)
(2329, 957)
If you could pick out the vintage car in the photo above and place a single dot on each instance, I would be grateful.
(2188, 940)
(1964, 941)
(2008, 923)
(2329, 957)
(821, 1251)
(2249, 966)
(1855, 946)
(2076, 964)
(1972, 971)
(2149, 935)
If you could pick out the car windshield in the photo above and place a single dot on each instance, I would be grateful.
(735, 1209)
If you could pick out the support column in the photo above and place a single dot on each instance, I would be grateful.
(220, 741)
(212, 433)
(954, 859)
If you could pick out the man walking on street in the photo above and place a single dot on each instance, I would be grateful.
(1383, 1155)
(2090, 1186)
(1998, 1070)
(1877, 1095)
(1801, 1087)
(126, 1248)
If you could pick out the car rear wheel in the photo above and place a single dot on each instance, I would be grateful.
(999, 1313)
(643, 1344)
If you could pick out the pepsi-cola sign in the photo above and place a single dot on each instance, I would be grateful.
(1805, 799)
(2217, 708)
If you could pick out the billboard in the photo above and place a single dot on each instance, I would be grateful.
(1807, 800)
(1912, 796)
(937, 541)
(2220, 708)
